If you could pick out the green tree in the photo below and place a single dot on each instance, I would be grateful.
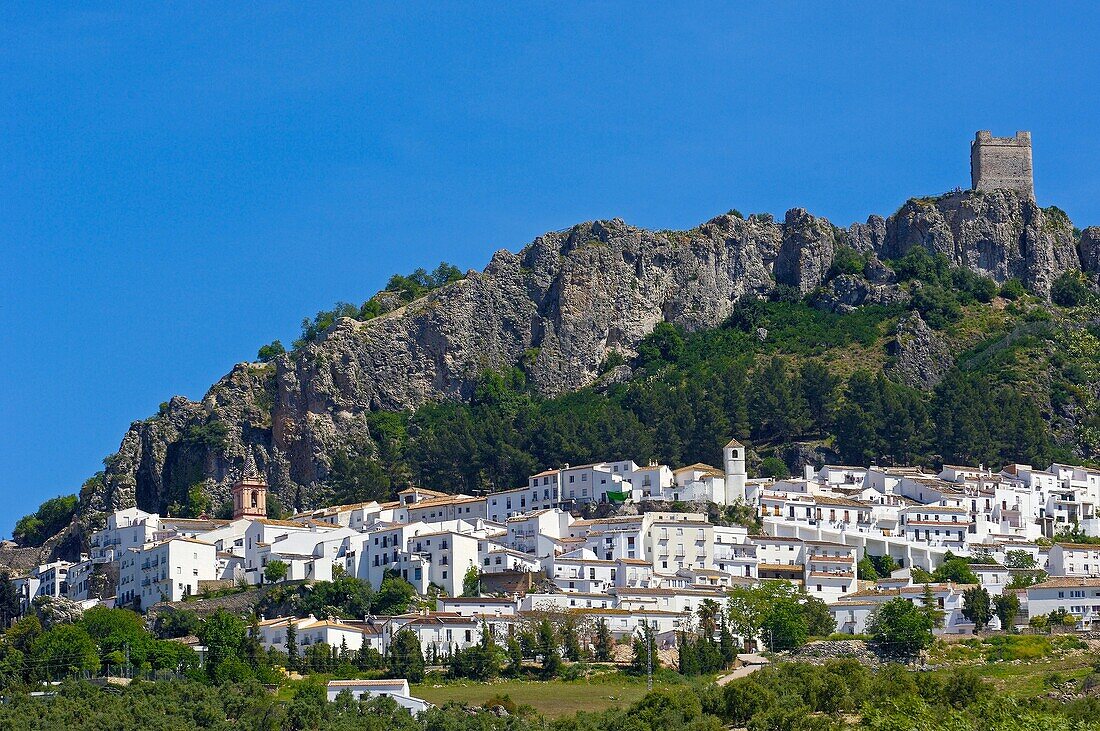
(404, 658)
(570, 641)
(471, 582)
(603, 644)
(119, 630)
(819, 620)
(1070, 289)
(956, 570)
(548, 648)
(930, 608)
(785, 626)
(688, 658)
(292, 644)
(819, 390)
(394, 596)
(9, 601)
(777, 403)
(775, 468)
(65, 650)
(275, 571)
(747, 607)
(308, 707)
(846, 260)
(976, 606)
(1007, 606)
(515, 656)
(1013, 289)
(479, 662)
(900, 629)
(865, 569)
(270, 352)
(223, 634)
(665, 343)
(1018, 559)
(49, 519)
(358, 478)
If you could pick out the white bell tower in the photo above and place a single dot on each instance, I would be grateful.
(733, 459)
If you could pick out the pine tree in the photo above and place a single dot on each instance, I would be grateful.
(9, 601)
(689, 660)
(570, 642)
(292, 644)
(929, 608)
(1007, 606)
(404, 657)
(778, 403)
(727, 645)
(604, 644)
(548, 648)
(515, 656)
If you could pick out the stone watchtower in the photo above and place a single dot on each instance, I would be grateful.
(249, 498)
(1002, 162)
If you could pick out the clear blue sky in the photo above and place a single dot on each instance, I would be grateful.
(181, 184)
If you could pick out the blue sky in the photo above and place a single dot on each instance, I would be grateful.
(181, 184)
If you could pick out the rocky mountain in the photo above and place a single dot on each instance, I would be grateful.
(560, 307)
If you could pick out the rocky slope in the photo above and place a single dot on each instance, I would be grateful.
(560, 306)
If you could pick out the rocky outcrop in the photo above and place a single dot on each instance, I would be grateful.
(1088, 250)
(920, 356)
(846, 292)
(1001, 234)
(559, 307)
(807, 250)
(53, 611)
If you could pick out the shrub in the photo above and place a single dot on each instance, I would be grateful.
(270, 352)
(1070, 290)
(1013, 289)
(846, 260)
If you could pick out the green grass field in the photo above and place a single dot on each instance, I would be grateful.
(551, 698)
(1019, 665)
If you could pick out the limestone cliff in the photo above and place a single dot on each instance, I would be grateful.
(559, 306)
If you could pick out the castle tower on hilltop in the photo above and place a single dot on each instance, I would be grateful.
(733, 459)
(249, 498)
(1002, 162)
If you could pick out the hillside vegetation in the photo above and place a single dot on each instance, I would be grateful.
(1021, 386)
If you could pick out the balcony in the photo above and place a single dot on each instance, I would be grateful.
(816, 558)
(832, 574)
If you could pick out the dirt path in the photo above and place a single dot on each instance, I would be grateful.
(741, 672)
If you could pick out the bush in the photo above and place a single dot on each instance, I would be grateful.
(1070, 290)
(846, 260)
(1013, 289)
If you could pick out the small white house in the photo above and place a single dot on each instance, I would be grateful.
(397, 689)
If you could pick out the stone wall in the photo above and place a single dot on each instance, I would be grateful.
(1002, 163)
